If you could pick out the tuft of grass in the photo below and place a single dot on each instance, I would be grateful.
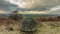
(54, 25)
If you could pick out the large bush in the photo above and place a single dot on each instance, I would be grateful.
(28, 24)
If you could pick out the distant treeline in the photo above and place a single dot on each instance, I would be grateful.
(53, 18)
(41, 18)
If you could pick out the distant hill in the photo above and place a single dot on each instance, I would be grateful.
(31, 15)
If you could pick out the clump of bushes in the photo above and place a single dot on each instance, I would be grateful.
(28, 24)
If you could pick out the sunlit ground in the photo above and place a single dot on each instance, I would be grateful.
(49, 27)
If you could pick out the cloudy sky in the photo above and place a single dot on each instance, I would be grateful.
(49, 6)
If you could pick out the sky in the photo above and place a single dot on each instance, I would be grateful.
(49, 6)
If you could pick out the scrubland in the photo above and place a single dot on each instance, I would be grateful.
(44, 26)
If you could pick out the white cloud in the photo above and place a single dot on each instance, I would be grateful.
(55, 8)
(29, 4)
(35, 3)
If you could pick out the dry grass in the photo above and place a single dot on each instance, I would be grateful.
(42, 28)
(48, 27)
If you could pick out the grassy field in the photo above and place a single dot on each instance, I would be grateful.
(43, 27)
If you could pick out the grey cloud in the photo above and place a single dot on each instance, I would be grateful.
(7, 6)
(39, 5)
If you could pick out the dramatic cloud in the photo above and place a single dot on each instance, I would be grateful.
(29, 4)
(35, 5)
(7, 6)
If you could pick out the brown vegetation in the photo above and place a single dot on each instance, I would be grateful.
(46, 25)
(38, 19)
(49, 19)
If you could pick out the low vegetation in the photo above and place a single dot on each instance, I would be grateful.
(45, 26)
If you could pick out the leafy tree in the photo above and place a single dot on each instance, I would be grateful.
(15, 16)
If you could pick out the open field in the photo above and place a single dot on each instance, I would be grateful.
(43, 27)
